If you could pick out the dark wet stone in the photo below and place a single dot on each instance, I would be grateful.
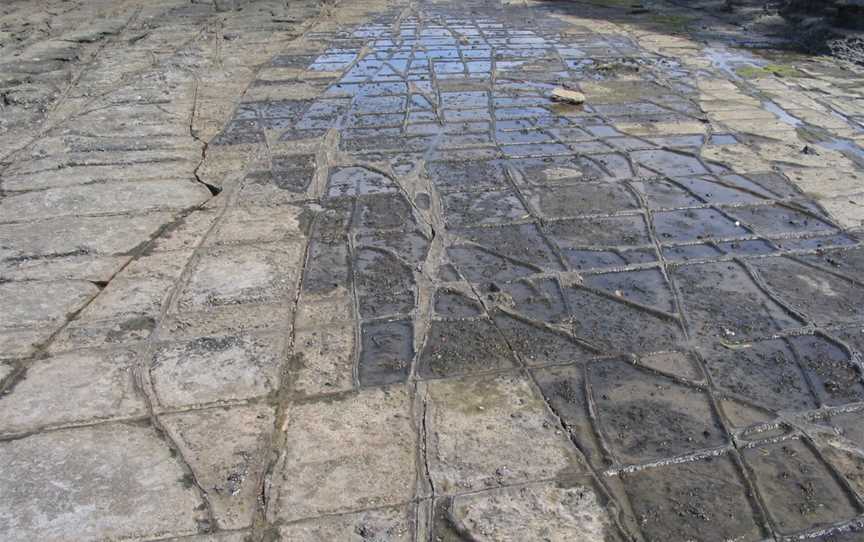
(817, 243)
(797, 488)
(849, 262)
(238, 137)
(333, 220)
(483, 208)
(623, 231)
(722, 300)
(615, 326)
(285, 109)
(524, 243)
(384, 211)
(559, 170)
(283, 162)
(834, 376)
(647, 287)
(764, 372)
(538, 299)
(296, 134)
(386, 353)
(293, 180)
(564, 390)
(412, 246)
(671, 164)
(358, 181)
(666, 195)
(478, 265)
(767, 184)
(327, 267)
(464, 347)
(448, 273)
(746, 248)
(536, 344)
(384, 285)
(567, 201)
(452, 304)
(685, 253)
(695, 225)
(822, 296)
(646, 417)
(704, 499)
(717, 193)
(594, 259)
(771, 220)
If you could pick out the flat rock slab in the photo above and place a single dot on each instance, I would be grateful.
(426, 270)
(127, 472)
(371, 450)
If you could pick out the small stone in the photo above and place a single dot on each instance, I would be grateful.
(568, 96)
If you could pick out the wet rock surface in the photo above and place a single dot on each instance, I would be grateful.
(302, 271)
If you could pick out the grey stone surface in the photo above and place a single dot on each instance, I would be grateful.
(30, 304)
(228, 451)
(532, 512)
(384, 524)
(214, 369)
(372, 451)
(110, 481)
(76, 387)
(489, 432)
(331, 270)
(240, 275)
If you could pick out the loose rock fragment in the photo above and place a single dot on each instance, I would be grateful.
(564, 95)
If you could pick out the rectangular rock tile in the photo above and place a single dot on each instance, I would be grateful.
(118, 482)
(227, 449)
(240, 275)
(613, 325)
(37, 303)
(797, 487)
(704, 499)
(463, 347)
(70, 388)
(257, 225)
(324, 359)
(485, 432)
(345, 454)
(386, 353)
(186, 232)
(722, 300)
(695, 224)
(91, 268)
(325, 309)
(833, 374)
(392, 524)
(483, 208)
(124, 331)
(16, 343)
(581, 199)
(214, 369)
(113, 197)
(764, 372)
(228, 320)
(820, 295)
(645, 417)
(102, 235)
(568, 510)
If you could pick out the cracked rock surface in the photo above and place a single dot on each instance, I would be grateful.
(345, 271)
